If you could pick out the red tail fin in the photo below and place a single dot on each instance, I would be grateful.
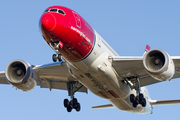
(146, 49)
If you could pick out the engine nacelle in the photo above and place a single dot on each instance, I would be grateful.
(21, 75)
(159, 64)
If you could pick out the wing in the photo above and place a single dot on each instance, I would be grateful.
(133, 66)
(52, 76)
(2, 78)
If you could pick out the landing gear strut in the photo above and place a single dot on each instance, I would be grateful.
(73, 103)
(139, 99)
(56, 46)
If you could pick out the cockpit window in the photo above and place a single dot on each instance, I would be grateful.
(61, 12)
(55, 10)
(46, 10)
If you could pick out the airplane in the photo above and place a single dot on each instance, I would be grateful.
(84, 61)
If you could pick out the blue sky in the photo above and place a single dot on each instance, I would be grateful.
(126, 25)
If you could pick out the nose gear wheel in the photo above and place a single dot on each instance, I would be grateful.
(56, 57)
(56, 46)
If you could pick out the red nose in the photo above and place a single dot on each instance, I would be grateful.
(48, 21)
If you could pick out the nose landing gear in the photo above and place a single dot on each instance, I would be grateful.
(56, 57)
(56, 46)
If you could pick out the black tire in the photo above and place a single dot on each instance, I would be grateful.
(132, 98)
(69, 109)
(74, 102)
(59, 57)
(78, 107)
(66, 103)
(144, 102)
(135, 104)
(141, 96)
(54, 57)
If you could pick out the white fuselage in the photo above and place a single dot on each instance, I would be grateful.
(95, 72)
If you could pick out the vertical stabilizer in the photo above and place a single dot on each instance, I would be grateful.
(146, 49)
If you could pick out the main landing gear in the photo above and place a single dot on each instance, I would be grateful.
(139, 99)
(73, 103)
(69, 105)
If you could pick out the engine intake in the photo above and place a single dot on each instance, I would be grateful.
(159, 64)
(21, 75)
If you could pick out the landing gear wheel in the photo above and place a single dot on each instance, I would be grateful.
(134, 82)
(144, 102)
(74, 102)
(135, 104)
(78, 107)
(59, 57)
(132, 98)
(69, 109)
(66, 103)
(54, 57)
(141, 96)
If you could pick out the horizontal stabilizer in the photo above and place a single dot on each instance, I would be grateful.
(103, 106)
(164, 102)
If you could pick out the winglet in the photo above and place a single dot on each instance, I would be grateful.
(146, 49)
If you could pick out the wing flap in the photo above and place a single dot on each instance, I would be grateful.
(53, 84)
(55, 76)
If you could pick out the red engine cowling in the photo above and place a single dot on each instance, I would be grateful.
(21, 75)
(159, 64)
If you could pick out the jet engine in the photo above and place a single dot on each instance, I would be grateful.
(159, 64)
(21, 75)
